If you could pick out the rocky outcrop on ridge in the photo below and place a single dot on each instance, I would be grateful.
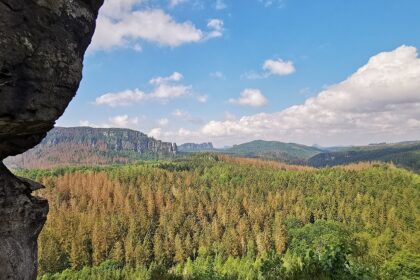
(71, 146)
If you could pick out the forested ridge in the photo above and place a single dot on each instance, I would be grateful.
(286, 152)
(218, 217)
(405, 154)
(105, 146)
(69, 146)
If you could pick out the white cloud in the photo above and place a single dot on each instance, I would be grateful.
(150, 25)
(250, 97)
(164, 90)
(185, 132)
(137, 47)
(216, 25)
(118, 121)
(279, 67)
(123, 121)
(126, 97)
(175, 77)
(220, 5)
(122, 24)
(379, 102)
(155, 133)
(117, 9)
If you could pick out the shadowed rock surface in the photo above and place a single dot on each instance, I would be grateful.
(42, 46)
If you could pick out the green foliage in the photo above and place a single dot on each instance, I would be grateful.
(91, 146)
(287, 152)
(404, 265)
(402, 154)
(213, 217)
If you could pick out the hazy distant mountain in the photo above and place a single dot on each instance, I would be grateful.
(406, 154)
(287, 152)
(192, 147)
(95, 146)
(87, 145)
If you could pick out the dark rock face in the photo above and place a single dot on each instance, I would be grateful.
(42, 45)
(21, 219)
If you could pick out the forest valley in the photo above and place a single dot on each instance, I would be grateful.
(212, 216)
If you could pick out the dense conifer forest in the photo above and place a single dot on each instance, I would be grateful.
(219, 217)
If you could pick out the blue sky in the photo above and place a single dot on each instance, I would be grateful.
(325, 72)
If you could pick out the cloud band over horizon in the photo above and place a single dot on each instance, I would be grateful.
(379, 102)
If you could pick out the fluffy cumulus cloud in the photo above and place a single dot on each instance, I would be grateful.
(155, 133)
(175, 77)
(250, 97)
(123, 121)
(216, 25)
(279, 67)
(121, 23)
(125, 97)
(165, 89)
(379, 102)
(118, 121)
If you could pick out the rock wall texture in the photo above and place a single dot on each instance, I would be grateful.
(42, 45)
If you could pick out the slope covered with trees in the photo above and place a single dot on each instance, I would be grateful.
(402, 154)
(218, 217)
(286, 152)
(65, 146)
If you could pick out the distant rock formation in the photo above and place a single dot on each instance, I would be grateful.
(42, 45)
(192, 147)
(116, 139)
(86, 145)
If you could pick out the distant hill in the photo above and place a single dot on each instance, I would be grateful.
(287, 152)
(102, 146)
(88, 146)
(192, 147)
(405, 154)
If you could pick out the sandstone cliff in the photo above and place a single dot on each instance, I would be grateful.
(92, 146)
